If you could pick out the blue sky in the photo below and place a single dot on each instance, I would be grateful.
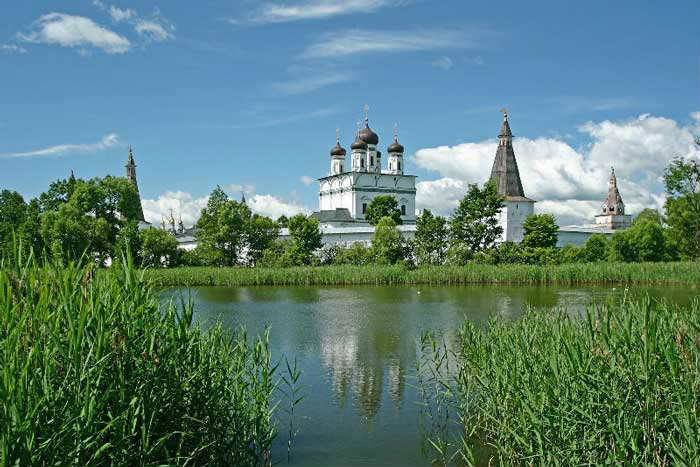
(248, 94)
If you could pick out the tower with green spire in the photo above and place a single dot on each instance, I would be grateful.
(131, 175)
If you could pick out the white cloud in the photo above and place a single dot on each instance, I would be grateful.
(313, 9)
(119, 14)
(271, 206)
(306, 180)
(182, 204)
(361, 41)
(568, 182)
(12, 48)
(307, 84)
(444, 63)
(154, 31)
(75, 31)
(108, 141)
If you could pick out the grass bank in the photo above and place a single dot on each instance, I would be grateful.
(685, 273)
(618, 387)
(95, 372)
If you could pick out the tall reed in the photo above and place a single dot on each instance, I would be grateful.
(95, 372)
(619, 386)
(685, 273)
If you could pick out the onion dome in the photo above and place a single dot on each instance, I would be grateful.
(395, 147)
(358, 144)
(368, 136)
(338, 150)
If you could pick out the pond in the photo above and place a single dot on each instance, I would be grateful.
(357, 346)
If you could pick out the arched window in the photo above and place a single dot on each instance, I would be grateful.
(403, 209)
(362, 163)
(371, 160)
(364, 208)
(398, 165)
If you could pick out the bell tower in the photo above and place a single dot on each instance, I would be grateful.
(131, 175)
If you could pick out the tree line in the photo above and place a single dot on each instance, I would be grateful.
(97, 219)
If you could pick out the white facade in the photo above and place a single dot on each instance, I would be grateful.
(354, 191)
(512, 218)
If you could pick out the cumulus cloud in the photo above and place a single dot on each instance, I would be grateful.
(107, 141)
(444, 63)
(189, 208)
(312, 9)
(362, 41)
(272, 206)
(154, 31)
(568, 182)
(119, 14)
(75, 31)
(180, 203)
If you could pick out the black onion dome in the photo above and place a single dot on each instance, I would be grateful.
(358, 143)
(369, 136)
(395, 147)
(338, 150)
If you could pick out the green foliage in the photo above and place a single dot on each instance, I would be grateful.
(97, 372)
(85, 217)
(648, 215)
(617, 387)
(306, 238)
(227, 230)
(570, 254)
(356, 254)
(283, 221)
(431, 239)
(540, 231)
(158, 248)
(262, 233)
(475, 221)
(388, 245)
(383, 206)
(595, 249)
(644, 241)
(128, 240)
(682, 180)
(13, 212)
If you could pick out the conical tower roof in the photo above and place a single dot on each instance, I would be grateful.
(505, 171)
(613, 202)
(131, 175)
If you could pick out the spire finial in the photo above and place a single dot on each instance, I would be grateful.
(396, 131)
(367, 115)
(337, 135)
(505, 113)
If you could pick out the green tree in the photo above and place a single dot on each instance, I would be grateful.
(595, 249)
(388, 246)
(431, 239)
(158, 248)
(682, 181)
(222, 229)
(570, 254)
(306, 238)
(474, 224)
(283, 221)
(643, 241)
(540, 231)
(383, 206)
(128, 241)
(13, 212)
(261, 234)
(648, 214)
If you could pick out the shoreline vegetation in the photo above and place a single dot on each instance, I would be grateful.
(97, 371)
(601, 273)
(617, 386)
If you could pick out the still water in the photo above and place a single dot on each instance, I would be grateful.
(357, 346)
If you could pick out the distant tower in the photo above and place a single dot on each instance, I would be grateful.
(373, 161)
(131, 175)
(243, 197)
(337, 156)
(396, 151)
(613, 210)
(506, 176)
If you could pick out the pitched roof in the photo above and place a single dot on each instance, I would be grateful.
(505, 168)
